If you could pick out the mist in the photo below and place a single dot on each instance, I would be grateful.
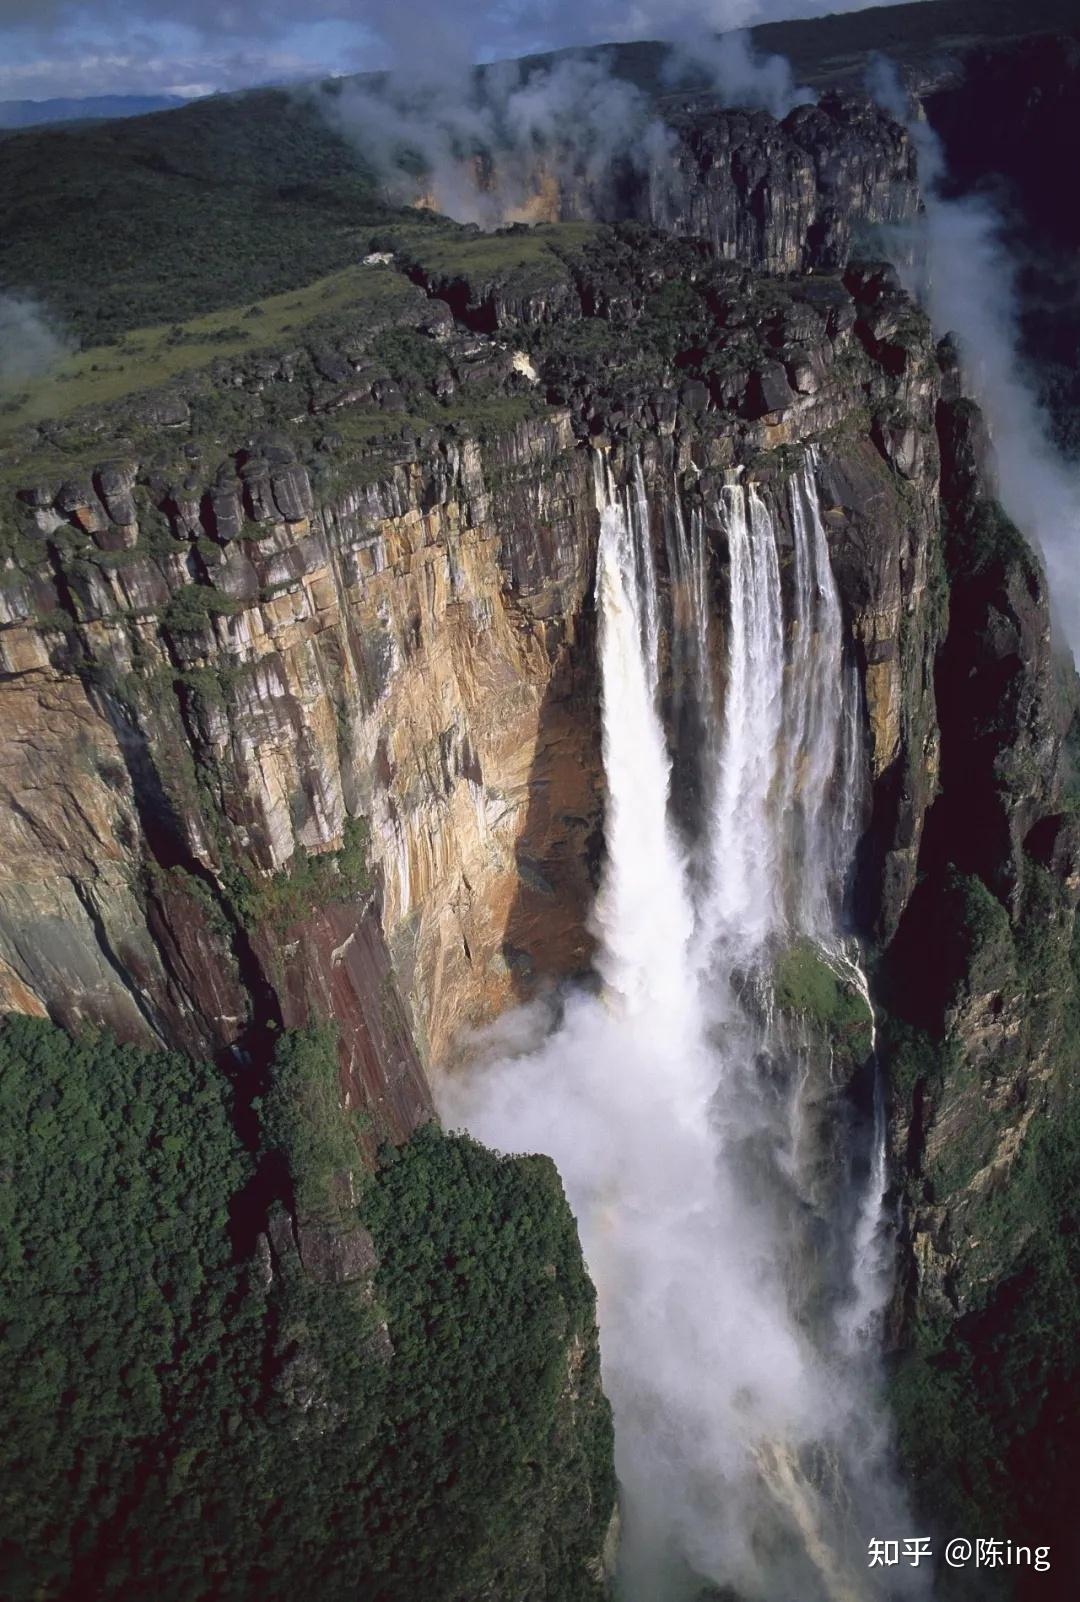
(737, 1245)
(503, 145)
(957, 263)
(511, 142)
(730, 67)
(30, 343)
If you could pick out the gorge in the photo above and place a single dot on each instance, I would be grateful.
(577, 680)
(700, 1134)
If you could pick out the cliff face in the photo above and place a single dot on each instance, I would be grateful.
(781, 196)
(981, 961)
(393, 654)
(789, 196)
(982, 980)
(302, 717)
(215, 684)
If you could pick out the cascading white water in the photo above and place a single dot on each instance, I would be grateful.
(643, 920)
(815, 706)
(687, 566)
(857, 1320)
(789, 796)
(785, 821)
(636, 516)
(743, 889)
(748, 1447)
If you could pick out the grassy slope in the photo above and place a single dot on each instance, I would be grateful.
(150, 356)
(93, 387)
(446, 252)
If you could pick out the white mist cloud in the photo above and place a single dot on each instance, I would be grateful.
(91, 72)
(737, 74)
(30, 344)
(563, 125)
(961, 268)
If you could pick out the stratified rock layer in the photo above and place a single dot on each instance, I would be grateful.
(202, 704)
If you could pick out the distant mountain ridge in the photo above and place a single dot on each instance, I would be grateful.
(34, 113)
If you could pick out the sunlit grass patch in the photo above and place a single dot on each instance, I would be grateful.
(147, 357)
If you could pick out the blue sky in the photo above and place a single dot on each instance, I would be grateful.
(91, 47)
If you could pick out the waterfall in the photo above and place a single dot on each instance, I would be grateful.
(869, 1264)
(814, 715)
(737, 1279)
(635, 515)
(690, 669)
(641, 916)
(744, 867)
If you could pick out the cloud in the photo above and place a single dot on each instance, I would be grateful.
(129, 42)
(128, 72)
(29, 343)
(737, 73)
(505, 144)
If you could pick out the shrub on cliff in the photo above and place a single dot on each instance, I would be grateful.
(302, 1119)
(808, 986)
(309, 882)
(192, 608)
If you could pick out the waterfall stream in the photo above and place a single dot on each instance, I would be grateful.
(700, 1130)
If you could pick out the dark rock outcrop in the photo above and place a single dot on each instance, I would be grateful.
(787, 196)
(979, 965)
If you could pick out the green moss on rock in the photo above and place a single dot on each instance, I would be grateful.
(807, 985)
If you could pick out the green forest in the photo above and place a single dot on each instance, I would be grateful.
(123, 224)
(193, 1422)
